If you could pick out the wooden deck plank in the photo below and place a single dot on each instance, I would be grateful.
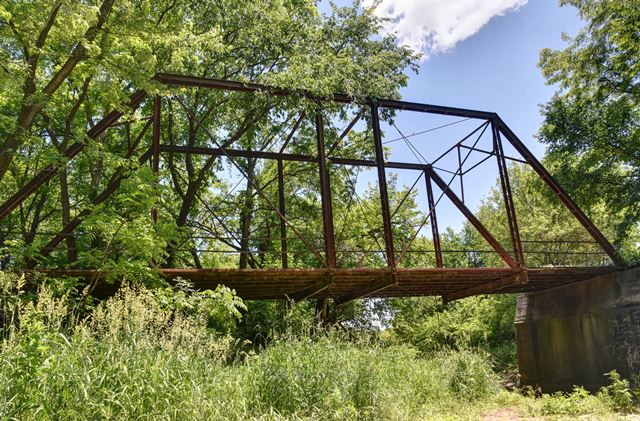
(279, 283)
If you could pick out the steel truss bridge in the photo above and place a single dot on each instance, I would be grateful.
(330, 279)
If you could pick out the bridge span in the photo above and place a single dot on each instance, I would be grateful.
(310, 242)
(344, 285)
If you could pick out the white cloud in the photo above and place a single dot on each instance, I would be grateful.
(432, 26)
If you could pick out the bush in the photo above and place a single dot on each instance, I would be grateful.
(142, 354)
(578, 402)
(331, 376)
(621, 397)
(614, 398)
(148, 354)
(482, 322)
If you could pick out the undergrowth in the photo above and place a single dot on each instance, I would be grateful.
(152, 354)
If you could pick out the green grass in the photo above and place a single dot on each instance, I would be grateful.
(135, 359)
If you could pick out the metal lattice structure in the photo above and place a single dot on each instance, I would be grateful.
(330, 279)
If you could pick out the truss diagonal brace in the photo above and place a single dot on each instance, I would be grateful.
(311, 290)
(487, 287)
(506, 258)
(345, 132)
(373, 287)
(561, 193)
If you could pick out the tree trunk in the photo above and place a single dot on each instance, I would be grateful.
(72, 248)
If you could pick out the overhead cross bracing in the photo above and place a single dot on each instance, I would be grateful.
(386, 266)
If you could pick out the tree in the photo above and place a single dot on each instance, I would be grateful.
(592, 123)
(550, 234)
(115, 48)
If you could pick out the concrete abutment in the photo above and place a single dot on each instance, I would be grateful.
(574, 334)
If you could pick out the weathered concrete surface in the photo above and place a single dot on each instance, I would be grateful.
(572, 335)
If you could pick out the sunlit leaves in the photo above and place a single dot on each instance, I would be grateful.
(592, 124)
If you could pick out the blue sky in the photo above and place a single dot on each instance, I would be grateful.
(479, 54)
(496, 69)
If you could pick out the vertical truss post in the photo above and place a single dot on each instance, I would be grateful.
(325, 194)
(473, 220)
(382, 183)
(283, 226)
(508, 197)
(460, 174)
(434, 222)
(564, 197)
(155, 147)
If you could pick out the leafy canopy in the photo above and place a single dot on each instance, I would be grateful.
(592, 123)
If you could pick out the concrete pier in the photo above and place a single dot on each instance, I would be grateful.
(574, 334)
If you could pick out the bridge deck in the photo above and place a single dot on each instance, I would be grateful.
(352, 283)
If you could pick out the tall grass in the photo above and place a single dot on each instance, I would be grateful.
(134, 357)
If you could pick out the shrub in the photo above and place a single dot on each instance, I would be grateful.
(618, 391)
(483, 322)
(578, 402)
(470, 375)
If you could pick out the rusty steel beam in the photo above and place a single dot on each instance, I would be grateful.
(370, 163)
(325, 195)
(71, 152)
(155, 146)
(487, 287)
(309, 291)
(284, 257)
(237, 153)
(202, 150)
(564, 197)
(277, 283)
(506, 258)
(345, 132)
(227, 85)
(374, 287)
(435, 233)
(382, 185)
(507, 196)
(293, 131)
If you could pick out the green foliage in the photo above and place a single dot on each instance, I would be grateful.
(147, 354)
(578, 402)
(65, 65)
(266, 321)
(482, 322)
(617, 397)
(592, 123)
(470, 375)
(619, 392)
(219, 308)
